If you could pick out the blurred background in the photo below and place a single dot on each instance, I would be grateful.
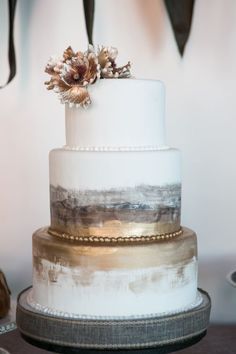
(200, 121)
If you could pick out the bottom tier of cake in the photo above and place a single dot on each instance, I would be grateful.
(93, 280)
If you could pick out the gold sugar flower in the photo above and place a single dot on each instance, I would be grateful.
(107, 60)
(72, 74)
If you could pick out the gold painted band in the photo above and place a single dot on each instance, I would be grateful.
(131, 239)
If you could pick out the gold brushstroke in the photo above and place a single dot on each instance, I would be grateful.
(116, 228)
(53, 275)
(114, 256)
(152, 281)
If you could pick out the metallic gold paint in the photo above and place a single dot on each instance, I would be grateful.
(115, 229)
(68, 253)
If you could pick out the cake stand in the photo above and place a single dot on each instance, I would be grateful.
(163, 334)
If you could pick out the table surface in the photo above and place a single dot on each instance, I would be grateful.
(220, 339)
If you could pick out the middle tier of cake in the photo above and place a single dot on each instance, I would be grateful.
(115, 194)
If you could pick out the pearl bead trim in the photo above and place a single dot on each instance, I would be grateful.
(116, 148)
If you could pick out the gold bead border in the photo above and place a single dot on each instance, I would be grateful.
(131, 239)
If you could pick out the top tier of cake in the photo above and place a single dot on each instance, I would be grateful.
(124, 113)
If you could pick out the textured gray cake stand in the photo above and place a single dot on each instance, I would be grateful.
(65, 335)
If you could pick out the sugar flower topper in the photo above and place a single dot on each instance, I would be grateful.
(72, 74)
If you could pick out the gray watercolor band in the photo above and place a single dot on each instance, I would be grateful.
(140, 204)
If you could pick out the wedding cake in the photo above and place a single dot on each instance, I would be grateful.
(115, 247)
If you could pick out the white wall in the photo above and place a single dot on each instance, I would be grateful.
(201, 121)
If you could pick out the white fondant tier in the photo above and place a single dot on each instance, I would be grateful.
(96, 170)
(114, 280)
(115, 194)
(123, 113)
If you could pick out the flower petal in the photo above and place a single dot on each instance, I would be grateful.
(76, 95)
(68, 53)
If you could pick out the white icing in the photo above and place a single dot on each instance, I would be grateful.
(52, 311)
(117, 292)
(102, 170)
(124, 112)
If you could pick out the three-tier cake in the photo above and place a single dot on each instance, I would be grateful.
(115, 248)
